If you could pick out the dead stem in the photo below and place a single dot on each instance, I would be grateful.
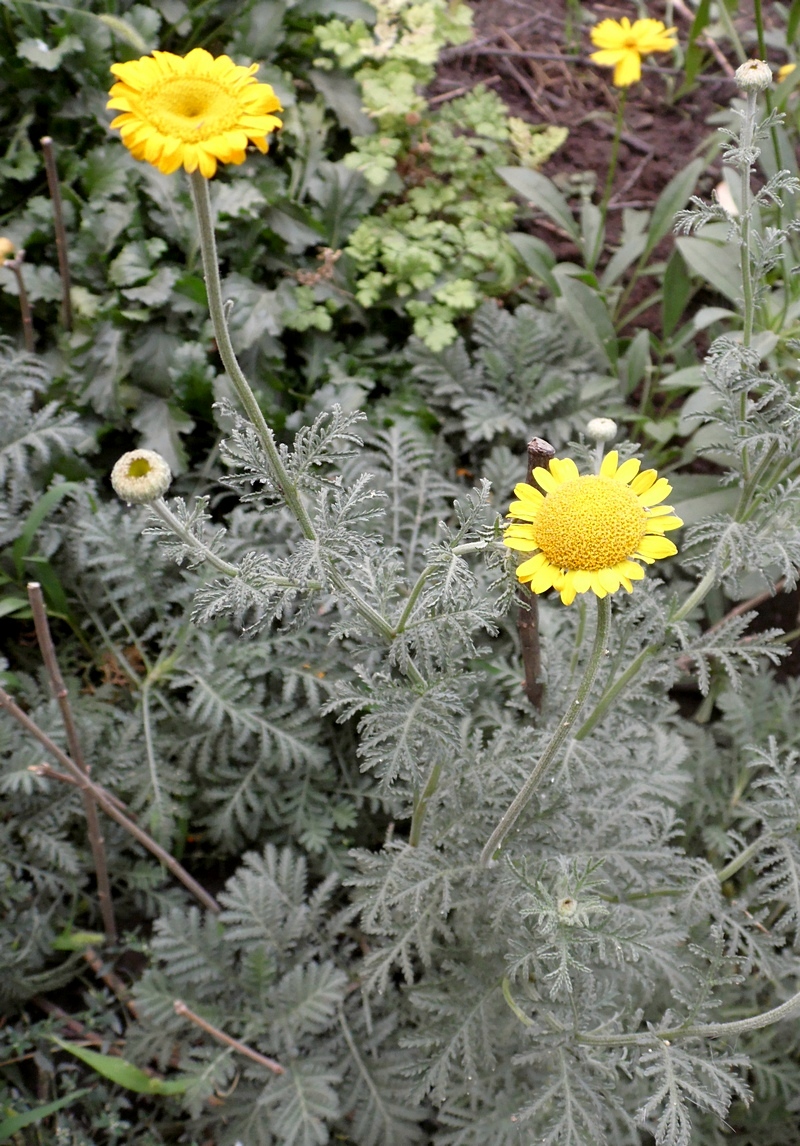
(60, 229)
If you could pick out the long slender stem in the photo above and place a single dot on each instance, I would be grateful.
(559, 736)
(787, 1010)
(28, 332)
(160, 507)
(61, 231)
(180, 1008)
(612, 170)
(108, 805)
(421, 804)
(216, 307)
(744, 857)
(96, 840)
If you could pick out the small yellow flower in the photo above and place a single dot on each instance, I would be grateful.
(7, 250)
(141, 476)
(623, 44)
(191, 111)
(588, 531)
(785, 70)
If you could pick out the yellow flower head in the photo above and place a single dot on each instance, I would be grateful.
(588, 532)
(7, 250)
(192, 111)
(785, 70)
(623, 44)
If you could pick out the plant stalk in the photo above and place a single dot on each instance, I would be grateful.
(96, 840)
(550, 753)
(180, 1008)
(421, 805)
(60, 230)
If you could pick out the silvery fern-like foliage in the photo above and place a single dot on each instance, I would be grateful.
(529, 367)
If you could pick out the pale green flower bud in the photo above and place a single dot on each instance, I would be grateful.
(601, 429)
(753, 76)
(140, 476)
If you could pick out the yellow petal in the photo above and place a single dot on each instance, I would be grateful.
(657, 492)
(611, 33)
(663, 524)
(630, 570)
(523, 510)
(567, 595)
(656, 547)
(608, 580)
(643, 481)
(581, 580)
(609, 466)
(543, 579)
(527, 492)
(628, 471)
(628, 71)
(564, 469)
(549, 482)
(528, 568)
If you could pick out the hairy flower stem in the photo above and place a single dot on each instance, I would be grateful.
(748, 306)
(744, 857)
(208, 249)
(421, 805)
(108, 803)
(788, 1010)
(605, 702)
(612, 171)
(28, 333)
(550, 753)
(96, 840)
(160, 507)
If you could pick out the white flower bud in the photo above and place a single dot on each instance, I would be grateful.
(140, 476)
(753, 76)
(567, 909)
(601, 429)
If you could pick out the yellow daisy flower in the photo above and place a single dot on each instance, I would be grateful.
(588, 531)
(191, 111)
(623, 44)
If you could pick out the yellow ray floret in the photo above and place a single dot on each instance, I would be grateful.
(191, 111)
(588, 531)
(623, 44)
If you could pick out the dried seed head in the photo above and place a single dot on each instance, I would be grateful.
(140, 476)
(753, 76)
(601, 429)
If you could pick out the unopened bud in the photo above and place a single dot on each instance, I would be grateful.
(141, 476)
(601, 429)
(567, 909)
(753, 76)
(7, 250)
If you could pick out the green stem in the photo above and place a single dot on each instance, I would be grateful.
(421, 805)
(787, 1010)
(612, 170)
(208, 250)
(612, 692)
(752, 484)
(696, 597)
(160, 507)
(748, 127)
(216, 307)
(738, 862)
(550, 753)
(733, 35)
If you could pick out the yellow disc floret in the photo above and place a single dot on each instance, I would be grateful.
(588, 532)
(191, 111)
(590, 523)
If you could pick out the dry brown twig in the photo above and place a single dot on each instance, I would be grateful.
(96, 840)
(181, 1009)
(107, 803)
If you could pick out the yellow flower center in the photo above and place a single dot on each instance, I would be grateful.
(191, 108)
(139, 468)
(631, 43)
(590, 523)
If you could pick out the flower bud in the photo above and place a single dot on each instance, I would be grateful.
(567, 909)
(753, 76)
(601, 429)
(7, 250)
(140, 476)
